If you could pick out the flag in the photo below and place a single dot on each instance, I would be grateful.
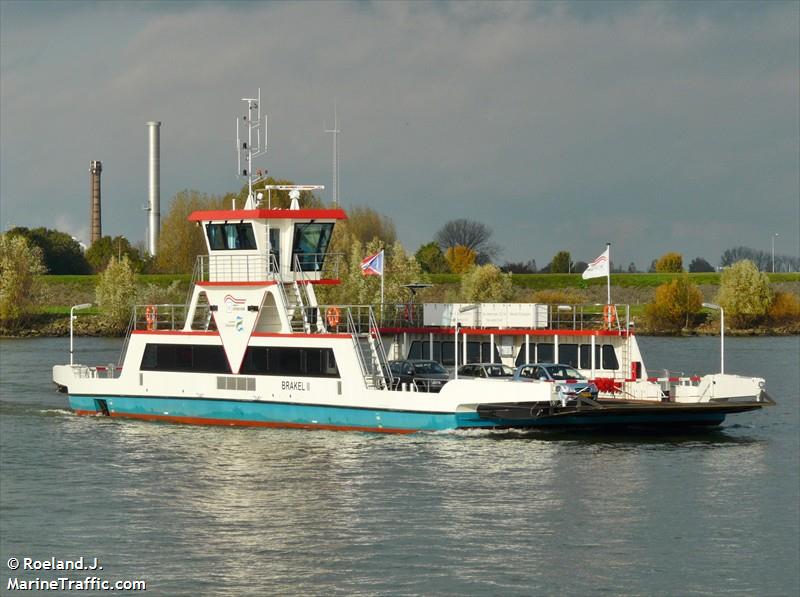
(597, 268)
(373, 265)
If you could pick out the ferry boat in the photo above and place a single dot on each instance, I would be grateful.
(252, 346)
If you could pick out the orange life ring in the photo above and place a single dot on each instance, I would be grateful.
(332, 316)
(610, 314)
(150, 316)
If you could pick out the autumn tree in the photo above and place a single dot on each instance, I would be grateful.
(355, 288)
(476, 236)
(676, 305)
(366, 224)
(669, 263)
(431, 259)
(116, 292)
(460, 259)
(181, 241)
(486, 284)
(20, 262)
(744, 293)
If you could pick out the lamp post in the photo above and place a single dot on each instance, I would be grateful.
(721, 334)
(457, 327)
(71, 319)
(773, 251)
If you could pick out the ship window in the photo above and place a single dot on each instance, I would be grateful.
(223, 237)
(586, 357)
(609, 357)
(185, 357)
(544, 353)
(448, 354)
(310, 245)
(312, 362)
(420, 349)
(568, 354)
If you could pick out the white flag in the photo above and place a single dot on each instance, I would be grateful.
(597, 268)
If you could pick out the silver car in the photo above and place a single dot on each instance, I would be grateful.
(570, 382)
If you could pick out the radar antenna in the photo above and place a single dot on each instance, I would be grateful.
(247, 150)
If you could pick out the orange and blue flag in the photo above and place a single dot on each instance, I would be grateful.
(373, 265)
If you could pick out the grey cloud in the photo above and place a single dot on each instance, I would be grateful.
(656, 126)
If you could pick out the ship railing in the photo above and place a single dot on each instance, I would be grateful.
(263, 268)
(110, 371)
(616, 317)
(167, 317)
(559, 317)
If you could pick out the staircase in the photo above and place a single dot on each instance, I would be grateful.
(370, 353)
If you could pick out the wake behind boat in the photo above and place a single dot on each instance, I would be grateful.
(252, 346)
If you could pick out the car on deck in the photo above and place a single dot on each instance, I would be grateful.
(486, 371)
(427, 376)
(570, 383)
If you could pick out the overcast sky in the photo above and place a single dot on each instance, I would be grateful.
(655, 126)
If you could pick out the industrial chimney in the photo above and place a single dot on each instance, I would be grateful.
(95, 168)
(154, 184)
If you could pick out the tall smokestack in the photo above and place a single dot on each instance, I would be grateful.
(95, 168)
(154, 184)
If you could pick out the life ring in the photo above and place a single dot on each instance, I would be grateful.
(332, 316)
(610, 314)
(150, 316)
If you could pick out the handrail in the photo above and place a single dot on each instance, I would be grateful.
(351, 328)
(382, 358)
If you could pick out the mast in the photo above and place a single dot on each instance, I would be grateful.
(335, 132)
(247, 150)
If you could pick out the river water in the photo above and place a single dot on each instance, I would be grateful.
(226, 511)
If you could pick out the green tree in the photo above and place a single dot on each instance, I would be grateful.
(61, 253)
(561, 263)
(744, 293)
(431, 259)
(669, 263)
(676, 305)
(20, 262)
(486, 284)
(181, 241)
(698, 264)
(116, 292)
(100, 253)
(460, 259)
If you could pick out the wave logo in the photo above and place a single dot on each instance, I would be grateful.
(231, 303)
(239, 323)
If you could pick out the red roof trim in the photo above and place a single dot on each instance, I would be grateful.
(268, 214)
(322, 281)
(293, 335)
(176, 333)
(503, 332)
(259, 283)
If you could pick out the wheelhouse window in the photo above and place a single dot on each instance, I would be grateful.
(238, 236)
(310, 245)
